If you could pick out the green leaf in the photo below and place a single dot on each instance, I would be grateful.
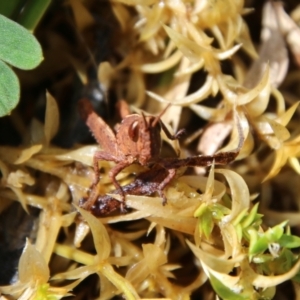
(223, 291)
(200, 210)
(259, 242)
(251, 217)
(219, 211)
(206, 223)
(9, 89)
(289, 241)
(269, 265)
(18, 46)
(275, 233)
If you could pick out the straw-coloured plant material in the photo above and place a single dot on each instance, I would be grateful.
(230, 232)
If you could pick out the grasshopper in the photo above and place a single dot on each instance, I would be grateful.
(137, 140)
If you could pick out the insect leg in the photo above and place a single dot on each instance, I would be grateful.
(103, 134)
(221, 158)
(112, 175)
(98, 156)
(170, 136)
(164, 183)
(87, 205)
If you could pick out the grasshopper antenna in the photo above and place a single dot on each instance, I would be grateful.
(145, 121)
(157, 119)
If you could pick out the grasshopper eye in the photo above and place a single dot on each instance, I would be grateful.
(133, 131)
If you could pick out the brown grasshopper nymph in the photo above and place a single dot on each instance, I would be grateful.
(137, 140)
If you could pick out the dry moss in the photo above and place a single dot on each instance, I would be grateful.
(223, 228)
